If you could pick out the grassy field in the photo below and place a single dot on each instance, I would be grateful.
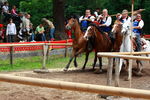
(30, 63)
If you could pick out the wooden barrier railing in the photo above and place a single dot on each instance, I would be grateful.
(45, 49)
(123, 55)
(107, 90)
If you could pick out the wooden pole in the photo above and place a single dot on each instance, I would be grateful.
(36, 44)
(11, 55)
(117, 73)
(109, 71)
(116, 91)
(45, 49)
(130, 72)
(125, 53)
(124, 56)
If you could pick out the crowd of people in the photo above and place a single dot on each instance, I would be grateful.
(20, 28)
(20, 25)
(104, 23)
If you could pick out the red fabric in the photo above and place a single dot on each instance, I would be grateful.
(33, 48)
(1, 25)
(147, 36)
(69, 33)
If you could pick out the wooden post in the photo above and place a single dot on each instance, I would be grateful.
(117, 73)
(45, 49)
(66, 49)
(109, 71)
(11, 55)
(130, 72)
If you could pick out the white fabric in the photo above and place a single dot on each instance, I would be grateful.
(96, 13)
(141, 24)
(5, 9)
(108, 21)
(126, 20)
(26, 23)
(11, 29)
(92, 18)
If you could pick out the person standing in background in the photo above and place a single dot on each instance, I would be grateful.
(51, 28)
(11, 31)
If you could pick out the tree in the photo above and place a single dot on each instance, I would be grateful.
(59, 20)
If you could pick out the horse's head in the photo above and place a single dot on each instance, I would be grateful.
(71, 22)
(117, 27)
(90, 32)
(125, 28)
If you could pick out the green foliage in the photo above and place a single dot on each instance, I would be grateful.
(43, 8)
(37, 8)
(31, 63)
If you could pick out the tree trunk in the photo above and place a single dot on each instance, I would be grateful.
(58, 13)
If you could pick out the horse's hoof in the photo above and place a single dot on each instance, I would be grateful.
(139, 74)
(126, 79)
(83, 69)
(76, 66)
(65, 69)
(98, 71)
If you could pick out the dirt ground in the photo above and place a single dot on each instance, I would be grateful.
(22, 92)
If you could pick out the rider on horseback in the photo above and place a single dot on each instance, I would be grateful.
(105, 21)
(137, 30)
(124, 16)
(86, 19)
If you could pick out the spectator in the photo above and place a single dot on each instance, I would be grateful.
(11, 31)
(40, 33)
(51, 28)
(5, 10)
(26, 22)
(1, 32)
(31, 32)
(86, 19)
(13, 11)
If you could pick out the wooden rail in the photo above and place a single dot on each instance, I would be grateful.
(108, 90)
(123, 55)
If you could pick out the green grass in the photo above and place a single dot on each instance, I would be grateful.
(30, 63)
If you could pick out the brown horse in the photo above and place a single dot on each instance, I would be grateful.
(116, 30)
(102, 42)
(79, 43)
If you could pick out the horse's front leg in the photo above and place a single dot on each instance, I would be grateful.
(139, 66)
(95, 60)
(67, 66)
(75, 62)
(86, 59)
(100, 64)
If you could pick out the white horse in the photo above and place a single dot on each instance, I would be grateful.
(126, 45)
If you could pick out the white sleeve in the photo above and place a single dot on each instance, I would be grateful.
(141, 24)
(129, 20)
(109, 21)
(15, 31)
(95, 13)
(80, 19)
(92, 18)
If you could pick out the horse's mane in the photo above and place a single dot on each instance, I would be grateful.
(75, 17)
(97, 27)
